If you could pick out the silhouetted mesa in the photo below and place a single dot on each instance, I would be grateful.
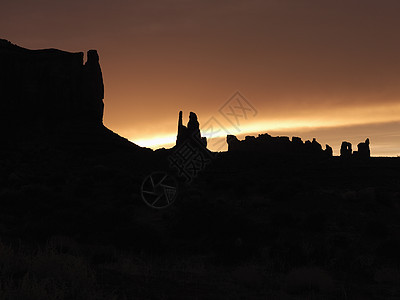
(190, 132)
(346, 150)
(363, 150)
(280, 145)
(51, 95)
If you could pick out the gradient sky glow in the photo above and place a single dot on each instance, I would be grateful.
(311, 68)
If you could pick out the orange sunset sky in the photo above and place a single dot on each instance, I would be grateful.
(310, 68)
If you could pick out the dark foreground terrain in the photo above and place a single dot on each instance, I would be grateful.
(74, 226)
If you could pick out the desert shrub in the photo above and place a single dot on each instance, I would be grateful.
(66, 270)
(31, 289)
(44, 274)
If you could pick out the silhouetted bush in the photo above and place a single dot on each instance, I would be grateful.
(44, 274)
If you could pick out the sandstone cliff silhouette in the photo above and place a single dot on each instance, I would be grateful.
(283, 146)
(278, 146)
(52, 96)
(363, 151)
(190, 132)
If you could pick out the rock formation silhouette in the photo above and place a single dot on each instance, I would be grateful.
(190, 132)
(51, 96)
(363, 150)
(278, 146)
(94, 91)
(282, 146)
(346, 150)
(328, 150)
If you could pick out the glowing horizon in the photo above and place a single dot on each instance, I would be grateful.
(304, 65)
(168, 141)
(367, 116)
